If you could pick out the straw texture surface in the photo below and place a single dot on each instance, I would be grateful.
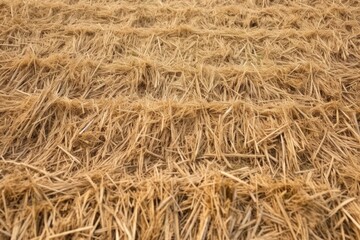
(194, 119)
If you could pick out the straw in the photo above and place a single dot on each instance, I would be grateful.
(212, 119)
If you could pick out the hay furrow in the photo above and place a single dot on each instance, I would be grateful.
(135, 77)
(217, 47)
(184, 30)
(91, 202)
(164, 114)
(165, 16)
(219, 3)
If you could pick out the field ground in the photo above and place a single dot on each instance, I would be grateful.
(194, 119)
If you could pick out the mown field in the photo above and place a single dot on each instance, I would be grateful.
(194, 119)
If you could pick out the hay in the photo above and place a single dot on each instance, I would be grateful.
(234, 119)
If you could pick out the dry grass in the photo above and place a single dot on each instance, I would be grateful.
(234, 119)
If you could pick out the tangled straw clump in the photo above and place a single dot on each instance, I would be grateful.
(234, 119)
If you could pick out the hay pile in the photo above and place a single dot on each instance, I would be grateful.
(209, 119)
